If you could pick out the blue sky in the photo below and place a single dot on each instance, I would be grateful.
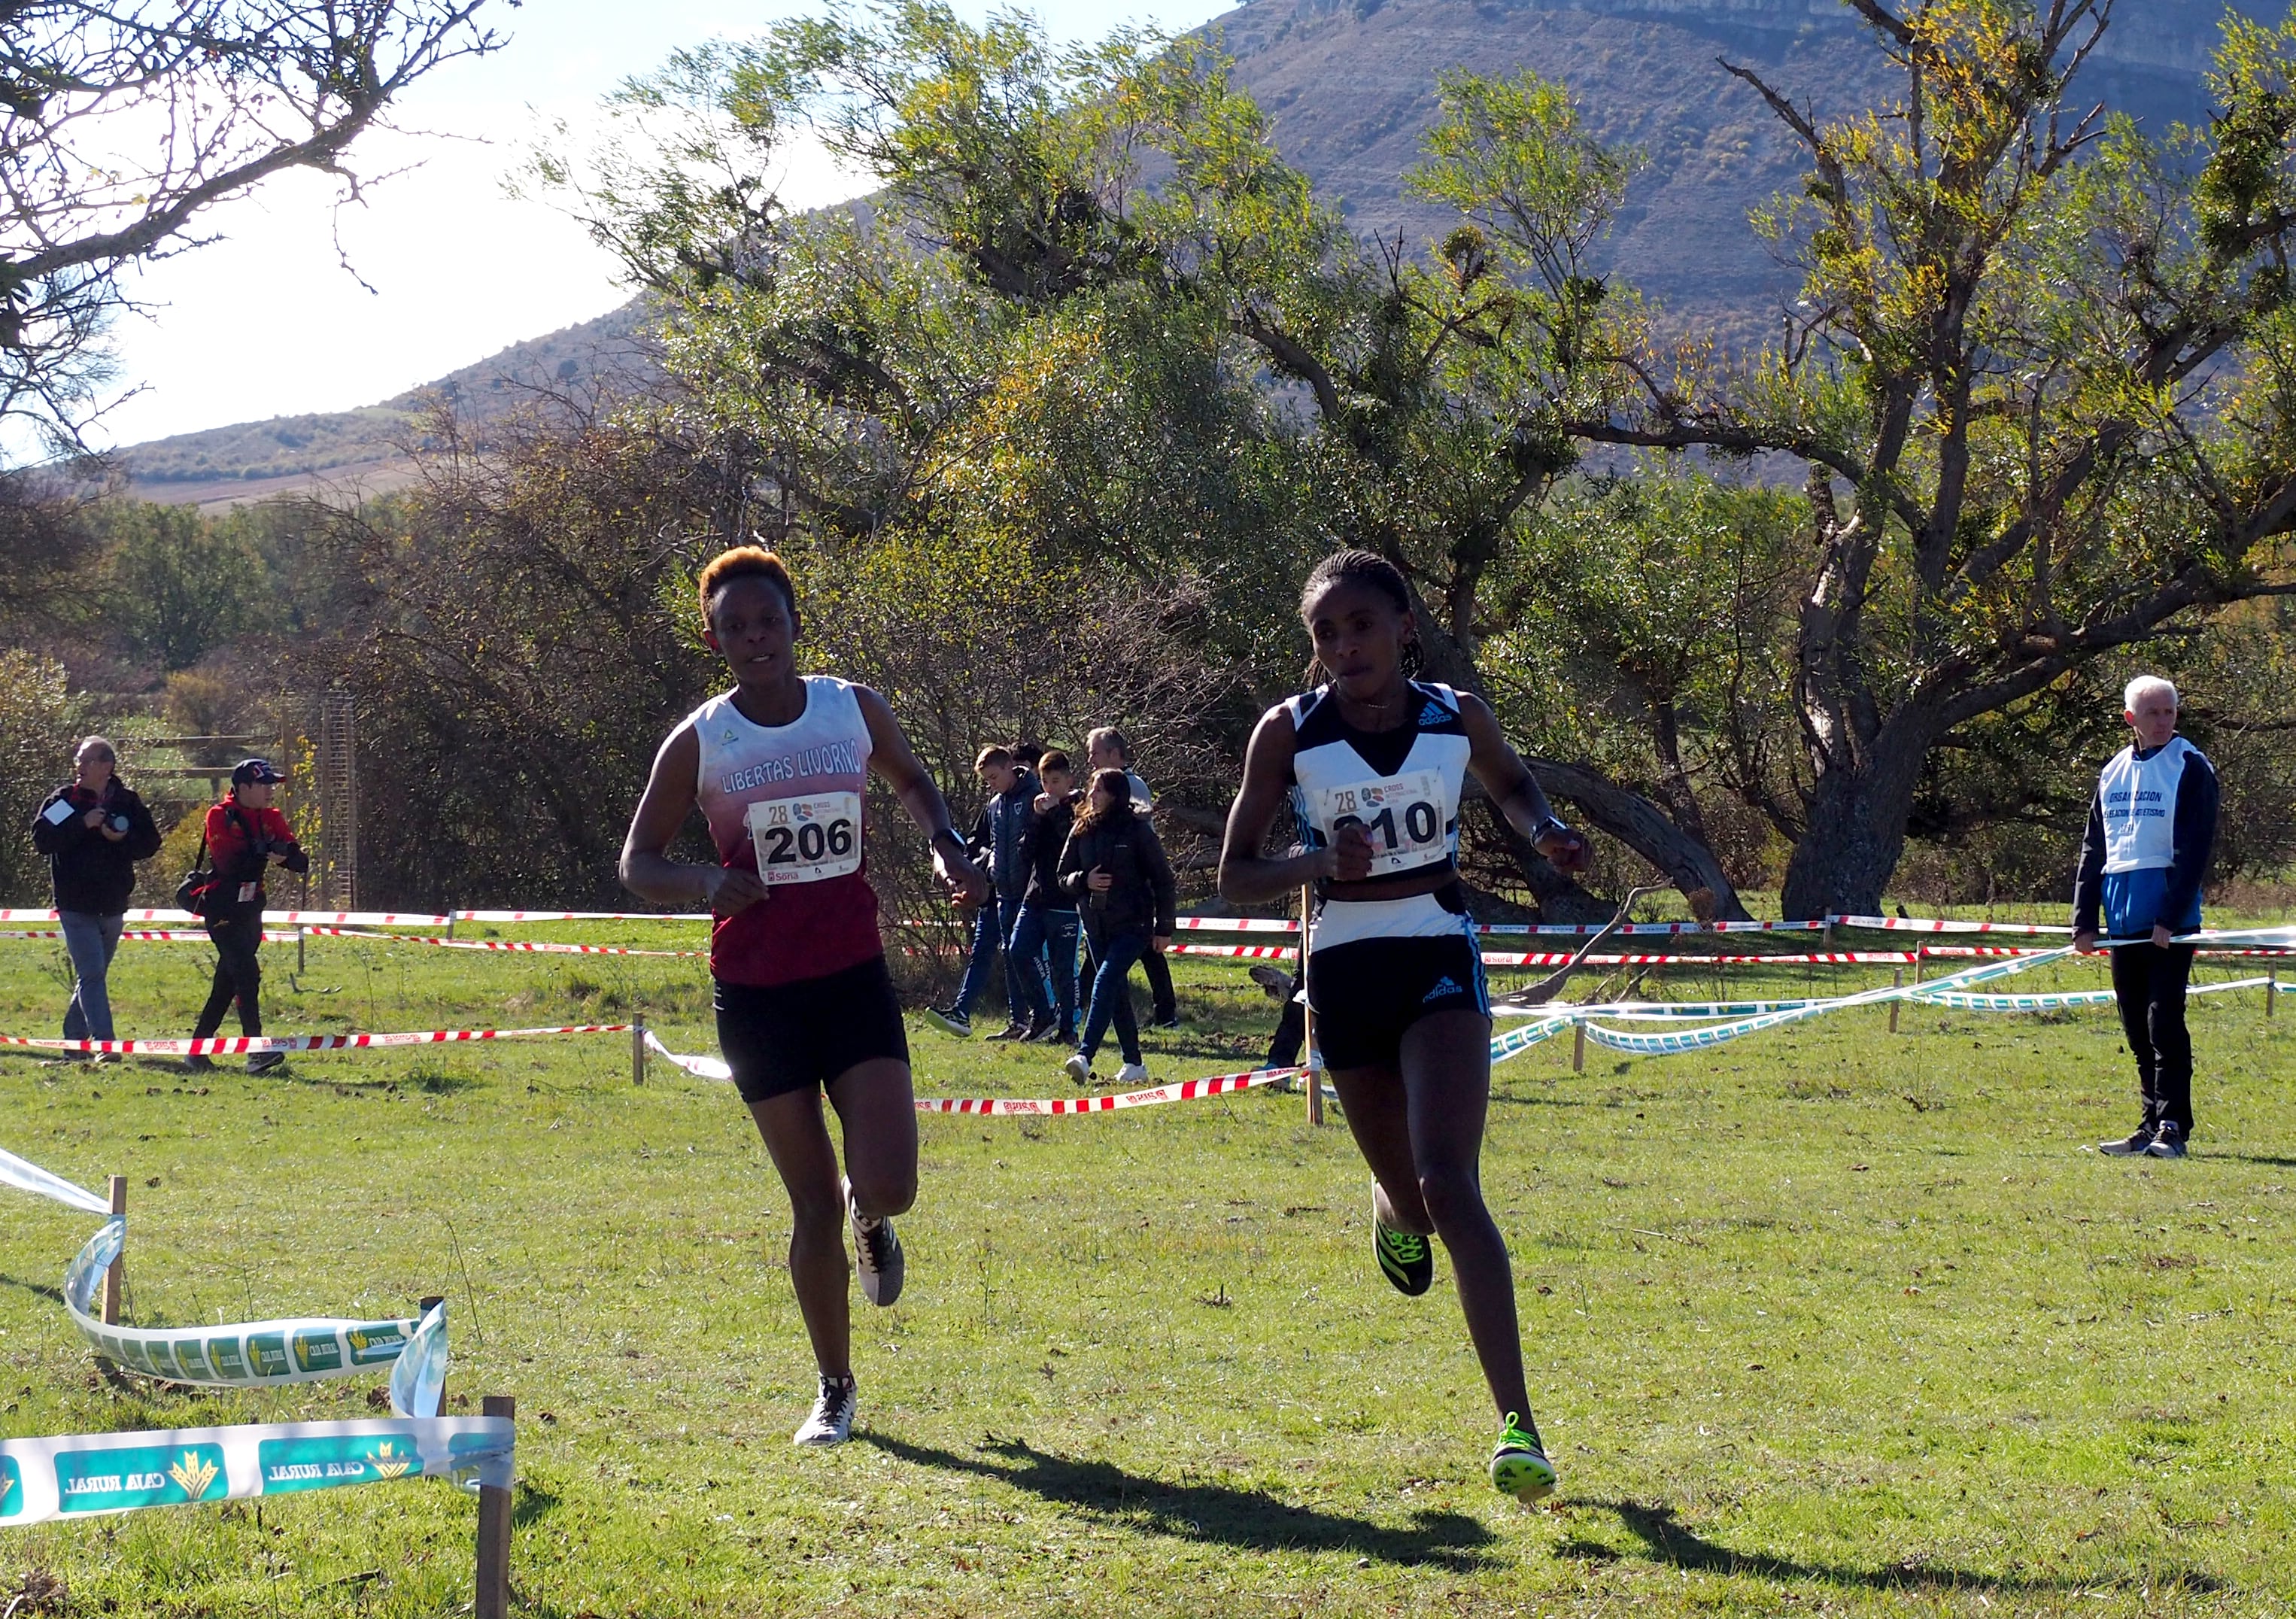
(266, 321)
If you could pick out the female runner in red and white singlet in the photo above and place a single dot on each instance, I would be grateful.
(779, 766)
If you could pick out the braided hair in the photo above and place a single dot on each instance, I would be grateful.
(1369, 569)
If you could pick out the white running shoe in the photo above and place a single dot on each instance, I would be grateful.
(877, 1257)
(832, 1422)
(1078, 1068)
(1132, 1076)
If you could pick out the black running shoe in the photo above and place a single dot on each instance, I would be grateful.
(2134, 1146)
(1407, 1258)
(264, 1062)
(1011, 1032)
(197, 1063)
(951, 1021)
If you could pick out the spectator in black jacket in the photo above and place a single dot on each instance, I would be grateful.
(1113, 864)
(93, 830)
(1044, 939)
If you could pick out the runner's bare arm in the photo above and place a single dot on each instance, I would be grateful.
(1246, 876)
(1516, 791)
(891, 757)
(649, 872)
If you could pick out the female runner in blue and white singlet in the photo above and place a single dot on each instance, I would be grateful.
(1374, 764)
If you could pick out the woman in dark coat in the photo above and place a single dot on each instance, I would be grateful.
(93, 830)
(1116, 871)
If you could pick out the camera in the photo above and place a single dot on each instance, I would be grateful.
(118, 822)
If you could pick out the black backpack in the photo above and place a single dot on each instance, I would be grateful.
(199, 882)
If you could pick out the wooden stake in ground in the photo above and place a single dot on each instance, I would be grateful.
(1308, 1015)
(1578, 1046)
(637, 1050)
(1897, 982)
(2271, 990)
(118, 1269)
(492, 1599)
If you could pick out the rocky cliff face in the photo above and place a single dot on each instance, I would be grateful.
(1351, 84)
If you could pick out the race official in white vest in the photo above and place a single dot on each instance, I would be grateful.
(2151, 828)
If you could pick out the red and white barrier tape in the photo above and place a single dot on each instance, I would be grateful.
(1935, 925)
(1673, 930)
(244, 1044)
(535, 916)
(1179, 1091)
(527, 946)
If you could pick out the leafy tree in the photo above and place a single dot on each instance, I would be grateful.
(1202, 375)
(174, 583)
(2043, 381)
(120, 124)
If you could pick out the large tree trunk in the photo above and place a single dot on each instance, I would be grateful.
(1646, 828)
(1626, 814)
(1857, 827)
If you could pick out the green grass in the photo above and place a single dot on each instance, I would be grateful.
(1824, 1321)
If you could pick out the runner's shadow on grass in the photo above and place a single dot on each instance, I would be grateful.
(1214, 1514)
(54, 1296)
(1667, 1539)
(2266, 1159)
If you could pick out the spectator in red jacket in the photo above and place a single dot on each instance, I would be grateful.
(245, 838)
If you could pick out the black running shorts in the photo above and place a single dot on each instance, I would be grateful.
(1366, 992)
(799, 1036)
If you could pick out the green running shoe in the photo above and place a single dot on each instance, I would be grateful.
(1407, 1258)
(1519, 1464)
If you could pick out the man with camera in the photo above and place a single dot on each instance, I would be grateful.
(244, 837)
(93, 830)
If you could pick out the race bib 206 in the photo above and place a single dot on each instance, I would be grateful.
(806, 839)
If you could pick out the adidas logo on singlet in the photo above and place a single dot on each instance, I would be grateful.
(1443, 986)
(1434, 713)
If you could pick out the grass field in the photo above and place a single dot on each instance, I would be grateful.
(1824, 1322)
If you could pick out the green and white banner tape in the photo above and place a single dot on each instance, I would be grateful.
(91, 1474)
(261, 1354)
(246, 1354)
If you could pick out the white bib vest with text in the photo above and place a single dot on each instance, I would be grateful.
(2138, 799)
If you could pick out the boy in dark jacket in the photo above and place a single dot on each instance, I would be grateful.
(999, 845)
(1115, 868)
(1044, 939)
(93, 830)
(245, 837)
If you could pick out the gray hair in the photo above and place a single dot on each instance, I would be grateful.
(2143, 687)
(86, 743)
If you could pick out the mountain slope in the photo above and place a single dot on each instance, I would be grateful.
(1351, 84)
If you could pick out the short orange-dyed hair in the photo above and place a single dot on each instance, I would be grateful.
(745, 562)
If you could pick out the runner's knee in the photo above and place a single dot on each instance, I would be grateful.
(882, 1192)
(1450, 1194)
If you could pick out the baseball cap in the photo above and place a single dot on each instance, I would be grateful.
(253, 770)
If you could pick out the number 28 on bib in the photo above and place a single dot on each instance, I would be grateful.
(1402, 814)
(806, 839)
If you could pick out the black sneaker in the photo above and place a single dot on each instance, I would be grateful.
(1041, 1033)
(952, 1021)
(264, 1062)
(1172, 1022)
(2136, 1146)
(877, 1257)
(1407, 1258)
(196, 1064)
(2167, 1141)
(1016, 1031)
